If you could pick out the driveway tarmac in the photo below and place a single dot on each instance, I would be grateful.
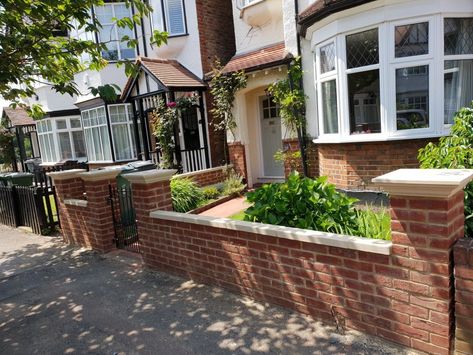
(61, 300)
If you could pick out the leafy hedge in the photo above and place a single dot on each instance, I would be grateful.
(316, 205)
(455, 152)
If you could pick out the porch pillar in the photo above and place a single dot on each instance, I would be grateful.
(203, 123)
(427, 218)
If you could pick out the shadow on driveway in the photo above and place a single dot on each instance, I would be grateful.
(81, 302)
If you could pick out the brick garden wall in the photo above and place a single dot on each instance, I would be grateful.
(353, 165)
(405, 297)
(207, 177)
(464, 296)
(292, 145)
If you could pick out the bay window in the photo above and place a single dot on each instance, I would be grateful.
(111, 34)
(96, 135)
(122, 132)
(393, 79)
(61, 139)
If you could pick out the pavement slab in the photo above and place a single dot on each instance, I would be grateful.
(82, 302)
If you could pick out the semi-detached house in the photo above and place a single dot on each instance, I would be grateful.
(85, 128)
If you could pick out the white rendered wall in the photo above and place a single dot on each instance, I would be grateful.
(248, 38)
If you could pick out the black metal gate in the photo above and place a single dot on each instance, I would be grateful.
(124, 218)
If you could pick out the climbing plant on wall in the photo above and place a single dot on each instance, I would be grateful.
(223, 88)
(7, 147)
(288, 93)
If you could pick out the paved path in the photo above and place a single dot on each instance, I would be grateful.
(81, 302)
(228, 208)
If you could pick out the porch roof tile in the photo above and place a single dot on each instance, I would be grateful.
(258, 59)
(18, 116)
(169, 72)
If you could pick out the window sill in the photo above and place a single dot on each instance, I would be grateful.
(178, 36)
(375, 138)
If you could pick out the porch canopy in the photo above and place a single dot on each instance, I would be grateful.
(166, 79)
(26, 139)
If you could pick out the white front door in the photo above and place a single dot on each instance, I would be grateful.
(271, 139)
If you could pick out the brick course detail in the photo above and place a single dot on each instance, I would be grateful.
(207, 177)
(91, 226)
(353, 165)
(404, 297)
(463, 255)
(236, 151)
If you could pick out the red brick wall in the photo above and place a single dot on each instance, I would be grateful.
(236, 151)
(464, 296)
(217, 40)
(353, 165)
(91, 226)
(405, 297)
(207, 177)
(292, 145)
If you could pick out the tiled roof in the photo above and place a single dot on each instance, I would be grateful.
(170, 73)
(323, 8)
(18, 116)
(260, 58)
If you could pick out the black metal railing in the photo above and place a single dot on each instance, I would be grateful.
(190, 160)
(41, 179)
(8, 210)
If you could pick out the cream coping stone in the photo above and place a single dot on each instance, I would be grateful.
(66, 174)
(437, 183)
(150, 176)
(334, 240)
(76, 202)
(109, 173)
(194, 173)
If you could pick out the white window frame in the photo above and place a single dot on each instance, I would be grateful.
(54, 133)
(97, 126)
(129, 124)
(161, 19)
(388, 64)
(115, 28)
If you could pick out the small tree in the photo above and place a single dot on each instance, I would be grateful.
(36, 46)
(289, 95)
(7, 147)
(223, 88)
(454, 152)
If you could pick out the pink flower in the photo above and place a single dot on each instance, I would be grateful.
(171, 104)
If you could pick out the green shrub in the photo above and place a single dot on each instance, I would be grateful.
(455, 152)
(186, 195)
(233, 184)
(374, 224)
(304, 203)
(210, 192)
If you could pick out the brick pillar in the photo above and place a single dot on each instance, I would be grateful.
(151, 191)
(100, 219)
(427, 214)
(68, 184)
(463, 255)
(236, 151)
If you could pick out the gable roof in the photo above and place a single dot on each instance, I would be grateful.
(17, 117)
(168, 72)
(266, 57)
(324, 8)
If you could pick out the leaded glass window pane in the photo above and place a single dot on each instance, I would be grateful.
(362, 49)
(412, 97)
(329, 106)
(411, 40)
(458, 36)
(327, 58)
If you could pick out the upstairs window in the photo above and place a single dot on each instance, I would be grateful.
(171, 17)
(111, 34)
